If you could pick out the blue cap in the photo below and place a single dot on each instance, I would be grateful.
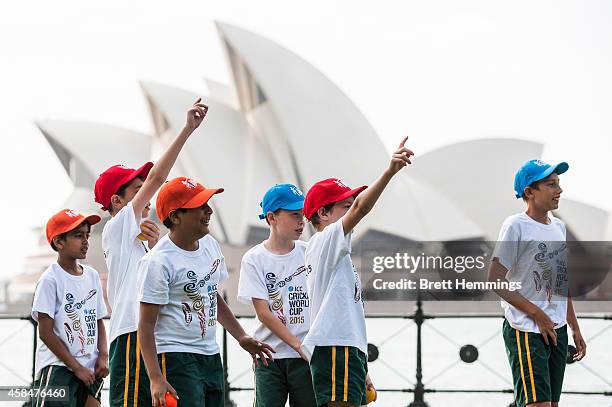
(535, 170)
(282, 196)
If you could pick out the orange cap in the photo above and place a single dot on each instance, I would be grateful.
(67, 220)
(182, 192)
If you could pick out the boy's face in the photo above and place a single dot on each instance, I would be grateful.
(76, 242)
(339, 209)
(289, 224)
(130, 192)
(194, 222)
(545, 194)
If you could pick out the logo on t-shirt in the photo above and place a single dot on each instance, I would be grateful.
(274, 291)
(192, 288)
(552, 264)
(76, 325)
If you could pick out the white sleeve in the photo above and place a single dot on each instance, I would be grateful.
(223, 274)
(124, 227)
(507, 247)
(45, 298)
(101, 306)
(155, 286)
(251, 284)
(336, 244)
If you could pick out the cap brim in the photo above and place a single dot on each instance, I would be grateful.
(347, 194)
(201, 198)
(294, 206)
(559, 168)
(91, 219)
(143, 172)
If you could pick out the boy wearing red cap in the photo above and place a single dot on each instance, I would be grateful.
(273, 279)
(532, 250)
(69, 307)
(336, 341)
(125, 193)
(180, 305)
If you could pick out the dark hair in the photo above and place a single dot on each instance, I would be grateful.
(276, 212)
(534, 185)
(315, 220)
(168, 223)
(62, 236)
(121, 193)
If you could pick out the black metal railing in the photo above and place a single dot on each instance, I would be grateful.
(418, 388)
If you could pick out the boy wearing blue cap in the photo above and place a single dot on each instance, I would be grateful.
(532, 250)
(273, 279)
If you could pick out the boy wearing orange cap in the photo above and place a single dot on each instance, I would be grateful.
(69, 307)
(180, 305)
(336, 341)
(125, 193)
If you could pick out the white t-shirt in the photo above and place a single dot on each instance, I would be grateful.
(75, 303)
(535, 255)
(185, 283)
(337, 315)
(122, 250)
(280, 280)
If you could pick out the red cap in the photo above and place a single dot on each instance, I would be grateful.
(67, 220)
(109, 182)
(182, 192)
(325, 192)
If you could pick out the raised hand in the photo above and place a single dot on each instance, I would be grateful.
(401, 158)
(196, 115)
(150, 232)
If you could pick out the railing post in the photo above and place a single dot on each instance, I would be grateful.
(419, 389)
(35, 346)
(228, 400)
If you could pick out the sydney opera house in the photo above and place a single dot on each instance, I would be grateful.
(281, 120)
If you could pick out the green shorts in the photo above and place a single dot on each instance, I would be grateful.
(537, 368)
(129, 383)
(197, 379)
(283, 378)
(56, 376)
(339, 374)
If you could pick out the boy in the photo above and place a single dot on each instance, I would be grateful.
(532, 250)
(69, 307)
(273, 278)
(179, 303)
(337, 341)
(125, 193)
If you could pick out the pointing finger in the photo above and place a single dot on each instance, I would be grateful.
(401, 145)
